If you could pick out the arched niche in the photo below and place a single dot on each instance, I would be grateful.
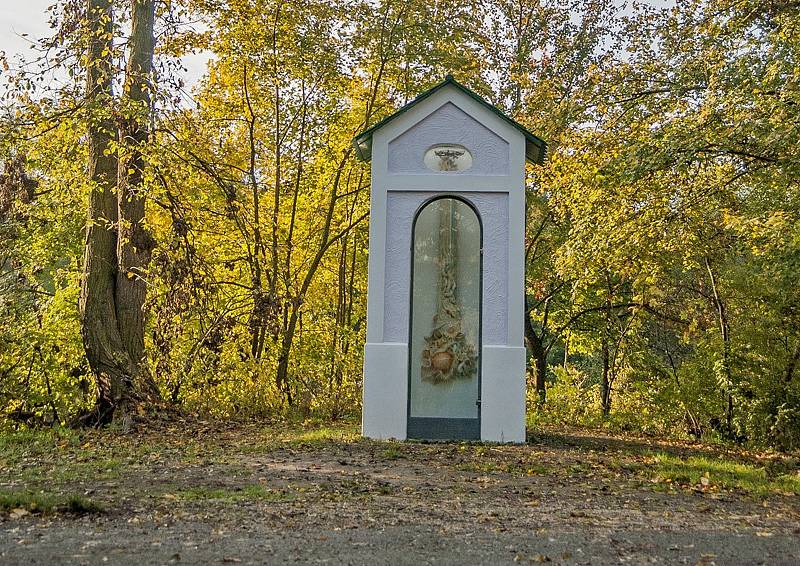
(445, 330)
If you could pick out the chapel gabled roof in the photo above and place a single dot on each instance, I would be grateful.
(535, 147)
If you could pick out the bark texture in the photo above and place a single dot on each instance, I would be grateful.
(111, 299)
(135, 244)
(107, 358)
(539, 353)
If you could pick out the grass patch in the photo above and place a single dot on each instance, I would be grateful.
(52, 471)
(392, 452)
(44, 503)
(32, 502)
(309, 435)
(54, 455)
(42, 458)
(17, 445)
(79, 505)
(516, 469)
(322, 435)
(722, 474)
(235, 494)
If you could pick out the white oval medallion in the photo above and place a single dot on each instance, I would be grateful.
(448, 158)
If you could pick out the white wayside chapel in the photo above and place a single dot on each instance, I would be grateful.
(445, 357)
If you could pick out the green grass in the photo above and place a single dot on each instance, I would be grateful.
(41, 459)
(307, 435)
(322, 435)
(54, 455)
(514, 468)
(52, 460)
(392, 452)
(47, 503)
(59, 471)
(19, 444)
(722, 474)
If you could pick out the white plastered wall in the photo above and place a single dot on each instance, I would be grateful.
(495, 186)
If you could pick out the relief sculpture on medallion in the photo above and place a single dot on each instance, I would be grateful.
(448, 158)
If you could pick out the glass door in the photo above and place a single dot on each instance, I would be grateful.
(444, 365)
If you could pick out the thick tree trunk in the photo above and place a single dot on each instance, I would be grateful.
(105, 352)
(117, 246)
(134, 243)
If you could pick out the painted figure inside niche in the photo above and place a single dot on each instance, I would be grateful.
(447, 354)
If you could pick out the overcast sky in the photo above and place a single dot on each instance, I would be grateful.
(18, 17)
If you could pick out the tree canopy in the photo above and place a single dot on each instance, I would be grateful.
(207, 249)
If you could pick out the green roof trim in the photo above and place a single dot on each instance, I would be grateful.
(535, 147)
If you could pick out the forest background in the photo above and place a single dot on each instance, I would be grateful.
(206, 250)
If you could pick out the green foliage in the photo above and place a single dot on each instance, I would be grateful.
(663, 248)
(678, 270)
(43, 376)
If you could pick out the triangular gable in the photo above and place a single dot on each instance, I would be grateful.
(535, 147)
(406, 150)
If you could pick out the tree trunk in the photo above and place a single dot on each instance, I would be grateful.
(263, 304)
(605, 380)
(536, 344)
(134, 243)
(605, 383)
(282, 373)
(107, 357)
(117, 246)
(725, 332)
(791, 366)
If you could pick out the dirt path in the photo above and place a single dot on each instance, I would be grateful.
(243, 497)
